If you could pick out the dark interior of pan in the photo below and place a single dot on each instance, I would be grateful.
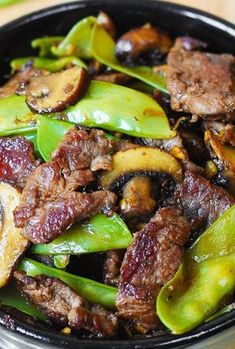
(177, 20)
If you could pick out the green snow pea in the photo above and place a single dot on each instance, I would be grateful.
(93, 291)
(10, 296)
(45, 44)
(118, 108)
(99, 233)
(32, 137)
(205, 279)
(49, 134)
(15, 116)
(49, 64)
(103, 48)
(105, 105)
(53, 131)
(78, 41)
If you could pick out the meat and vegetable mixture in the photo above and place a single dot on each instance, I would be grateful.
(117, 182)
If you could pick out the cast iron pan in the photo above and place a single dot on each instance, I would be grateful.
(15, 40)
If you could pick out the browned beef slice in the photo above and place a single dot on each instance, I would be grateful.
(82, 149)
(51, 220)
(201, 201)
(112, 267)
(63, 306)
(200, 83)
(97, 320)
(150, 261)
(49, 203)
(16, 160)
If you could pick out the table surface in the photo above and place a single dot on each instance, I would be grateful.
(221, 8)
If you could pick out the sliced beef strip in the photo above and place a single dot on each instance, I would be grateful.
(49, 202)
(201, 201)
(112, 267)
(150, 261)
(54, 217)
(63, 306)
(82, 149)
(16, 160)
(201, 83)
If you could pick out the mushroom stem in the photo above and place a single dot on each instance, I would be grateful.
(137, 197)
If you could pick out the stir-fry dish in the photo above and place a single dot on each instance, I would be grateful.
(117, 183)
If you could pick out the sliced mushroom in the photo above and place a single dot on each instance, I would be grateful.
(106, 22)
(54, 92)
(140, 160)
(114, 78)
(226, 132)
(12, 243)
(19, 81)
(225, 153)
(140, 41)
(137, 197)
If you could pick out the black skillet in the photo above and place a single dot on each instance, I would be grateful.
(15, 40)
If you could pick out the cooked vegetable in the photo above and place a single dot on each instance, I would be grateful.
(93, 291)
(12, 243)
(49, 64)
(61, 261)
(140, 160)
(103, 48)
(210, 169)
(10, 296)
(205, 279)
(53, 131)
(15, 116)
(100, 233)
(142, 40)
(105, 105)
(78, 41)
(106, 22)
(225, 153)
(50, 132)
(45, 44)
(137, 197)
(118, 108)
(32, 137)
(55, 92)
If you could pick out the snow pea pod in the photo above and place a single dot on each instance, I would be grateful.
(78, 41)
(103, 48)
(99, 233)
(205, 279)
(45, 44)
(49, 64)
(49, 134)
(15, 116)
(118, 108)
(93, 291)
(10, 296)
(53, 131)
(108, 106)
(32, 137)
